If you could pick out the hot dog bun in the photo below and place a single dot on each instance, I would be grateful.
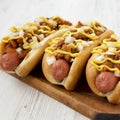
(22, 49)
(35, 55)
(112, 95)
(76, 67)
(71, 80)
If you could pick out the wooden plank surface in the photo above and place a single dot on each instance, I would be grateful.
(77, 99)
(18, 101)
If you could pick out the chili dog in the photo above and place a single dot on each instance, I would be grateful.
(104, 65)
(65, 58)
(22, 49)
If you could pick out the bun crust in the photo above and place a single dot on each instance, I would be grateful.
(91, 74)
(113, 97)
(77, 67)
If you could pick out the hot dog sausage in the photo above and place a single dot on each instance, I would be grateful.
(106, 81)
(9, 61)
(60, 69)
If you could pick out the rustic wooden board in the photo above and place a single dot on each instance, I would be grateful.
(81, 99)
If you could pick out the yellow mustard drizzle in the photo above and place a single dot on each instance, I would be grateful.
(100, 50)
(79, 42)
(60, 26)
(114, 36)
(100, 67)
(31, 27)
(27, 45)
(66, 34)
(46, 27)
(117, 44)
(43, 18)
(106, 59)
(87, 35)
(54, 41)
(47, 21)
(51, 49)
(54, 17)
(14, 29)
(97, 28)
(63, 26)
(46, 31)
(6, 39)
(31, 24)
(71, 45)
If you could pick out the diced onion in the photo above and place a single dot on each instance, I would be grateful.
(110, 45)
(72, 60)
(112, 49)
(100, 58)
(13, 34)
(80, 47)
(38, 20)
(19, 49)
(69, 39)
(93, 34)
(50, 60)
(102, 29)
(85, 43)
(117, 74)
(37, 45)
(84, 28)
(54, 23)
(90, 42)
(21, 33)
(42, 36)
(109, 53)
(34, 38)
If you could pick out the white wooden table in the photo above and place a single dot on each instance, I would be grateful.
(19, 101)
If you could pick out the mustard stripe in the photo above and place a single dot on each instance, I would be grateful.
(96, 28)
(100, 67)
(106, 59)
(89, 36)
(46, 31)
(6, 40)
(61, 52)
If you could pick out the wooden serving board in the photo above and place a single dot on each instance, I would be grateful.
(81, 99)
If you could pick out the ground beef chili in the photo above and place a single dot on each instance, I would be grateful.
(109, 63)
(20, 39)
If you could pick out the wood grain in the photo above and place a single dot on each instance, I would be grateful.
(77, 99)
(19, 101)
